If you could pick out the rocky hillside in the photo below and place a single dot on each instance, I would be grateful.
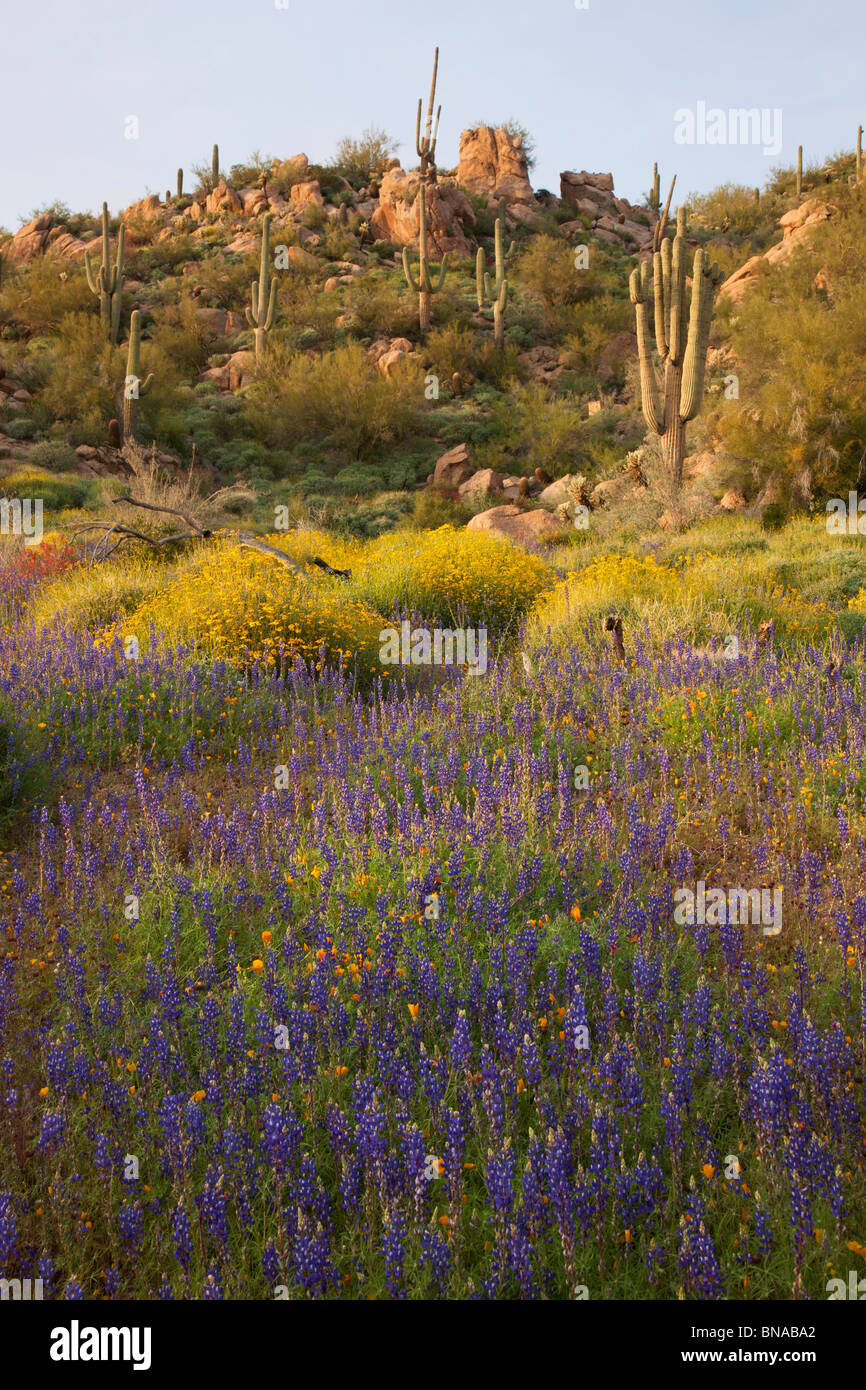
(275, 320)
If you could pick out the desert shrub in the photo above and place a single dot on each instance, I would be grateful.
(38, 297)
(53, 454)
(449, 350)
(364, 481)
(90, 598)
(339, 399)
(544, 431)
(162, 256)
(373, 518)
(357, 159)
(432, 509)
(802, 407)
(450, 575)
(21, 428)
(244, 606)
(56, 491)
(380, 306)
(702, 597)
(83, 374)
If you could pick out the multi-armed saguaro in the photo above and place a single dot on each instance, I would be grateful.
(134, 388)
(107, 282)
(497, 293)
(425, 286)
(427, 147)
(682, 347)
(263, 296)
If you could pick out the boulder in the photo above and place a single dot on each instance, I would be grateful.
(388, 360)
(453, 468)
(255, 200)
(303, 194)
(493, 164)
(30, 240)
(223, 199)
(148, 209)
(449, 212)
(485, 481)
(243, 244)
(63, 246)
(556, 493)
(303, 260)
(732, 501)
(294, 170)
(796, 228)
(531, 529)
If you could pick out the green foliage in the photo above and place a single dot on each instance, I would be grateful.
(57, 491)
(53, 454)
(338, 398)
(799, 349)
(42, 294)
(358, 159)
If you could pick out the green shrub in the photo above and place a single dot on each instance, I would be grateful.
(21, 428)
(53, 454)
(57, 491)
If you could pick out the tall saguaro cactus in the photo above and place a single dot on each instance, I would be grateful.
(215, 165)
(426, 147)
(681, 345)
(134, 388)
(425, 286)
(858, 167)
(180, 183)
(263, 296)
(107, 282)
(799, 170)
(655, 191)
(497, 293)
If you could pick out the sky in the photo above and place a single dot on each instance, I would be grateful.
(602, 87)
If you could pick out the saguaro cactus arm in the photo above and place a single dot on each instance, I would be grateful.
(705, 278)
(426, 147)
(262, 308)
(652, 407)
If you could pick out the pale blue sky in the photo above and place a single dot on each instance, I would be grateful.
(598, 88)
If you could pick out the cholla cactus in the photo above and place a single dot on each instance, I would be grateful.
(681, 345)
(424, 285)
(575, 508)
(134, 388)
(263, 296)
(426, 147)
(107, 282)
(498, 293)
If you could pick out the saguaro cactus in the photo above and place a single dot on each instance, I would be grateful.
(424, 285)
(134, 388)
(427, 147)
(498, 292)
(107, 282)
(215, 165)
(180, 183)
(655, 191)
(682, 347)
(799, 170)
(858, 167)
(263, 296)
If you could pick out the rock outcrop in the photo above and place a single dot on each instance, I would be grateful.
(531, 529)
(613, 219)
(449, 213)
(493, 165)
(796, 227)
